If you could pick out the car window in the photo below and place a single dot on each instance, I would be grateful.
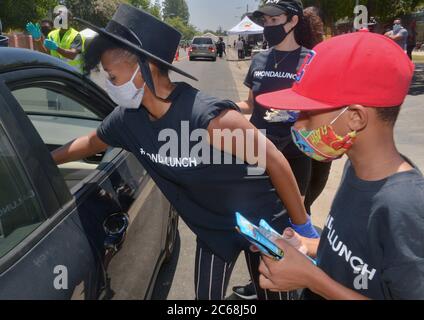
(20, 211)
(57, 118)
(60, 119)
(202, 41)
(48, 102)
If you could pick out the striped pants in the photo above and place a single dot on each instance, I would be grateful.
(212, 275)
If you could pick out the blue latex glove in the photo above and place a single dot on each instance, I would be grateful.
(306, 230)
(34, 30)
(51, 45)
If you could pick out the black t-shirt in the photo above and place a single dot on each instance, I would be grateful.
(373, 241)
(262, 78)
(205, 195)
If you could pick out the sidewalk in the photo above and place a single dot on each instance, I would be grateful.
(321, 207)
(239, 70)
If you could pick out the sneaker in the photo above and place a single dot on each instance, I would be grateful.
(246, 292)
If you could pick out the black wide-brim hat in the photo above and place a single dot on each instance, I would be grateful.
(144, 34)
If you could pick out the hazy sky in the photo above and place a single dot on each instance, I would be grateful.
(209, 14)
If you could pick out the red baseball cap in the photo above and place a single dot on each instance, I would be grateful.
(358, 68)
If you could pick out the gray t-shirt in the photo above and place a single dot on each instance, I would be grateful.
(205, 195)
(403, 41)
(373, 241)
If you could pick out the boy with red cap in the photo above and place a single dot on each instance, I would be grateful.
(349, 92)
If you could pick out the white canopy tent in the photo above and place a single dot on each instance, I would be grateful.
(246, 27)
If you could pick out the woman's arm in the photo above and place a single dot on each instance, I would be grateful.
(246, 106)
(79, 148)
(231, 124)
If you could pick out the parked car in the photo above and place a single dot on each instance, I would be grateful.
(93, 229)
(202, 47)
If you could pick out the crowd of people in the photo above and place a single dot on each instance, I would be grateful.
(315, 104)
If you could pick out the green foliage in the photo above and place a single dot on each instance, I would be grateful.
(156, 9)
(16, 14)
(142, 4)
(333, 10)
(187, 30)
(147, 5)
(176, 14)
(176, 8)
(98, 12)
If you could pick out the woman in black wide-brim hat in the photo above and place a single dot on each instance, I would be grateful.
(137, 50)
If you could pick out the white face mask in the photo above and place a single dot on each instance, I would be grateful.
(126, 95)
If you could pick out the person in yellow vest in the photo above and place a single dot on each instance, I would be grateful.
(65, 44)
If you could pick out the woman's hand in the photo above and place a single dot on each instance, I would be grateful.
(306, 230)
(79, 148)
(308, 246)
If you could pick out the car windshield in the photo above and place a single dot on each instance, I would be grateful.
(202, 41)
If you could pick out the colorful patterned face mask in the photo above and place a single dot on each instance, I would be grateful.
(323, 144)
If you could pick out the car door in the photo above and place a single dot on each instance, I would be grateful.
(43, 253)
(117, 186)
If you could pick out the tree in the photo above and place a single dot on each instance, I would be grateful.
(334, 10)
(147, 5)
(220, 32)
(187, 30)
(176, 8)
(141, 4)
(16, 14)
(98, 12)
(156, 9)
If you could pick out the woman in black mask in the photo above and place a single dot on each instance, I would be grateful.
(290, 32)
